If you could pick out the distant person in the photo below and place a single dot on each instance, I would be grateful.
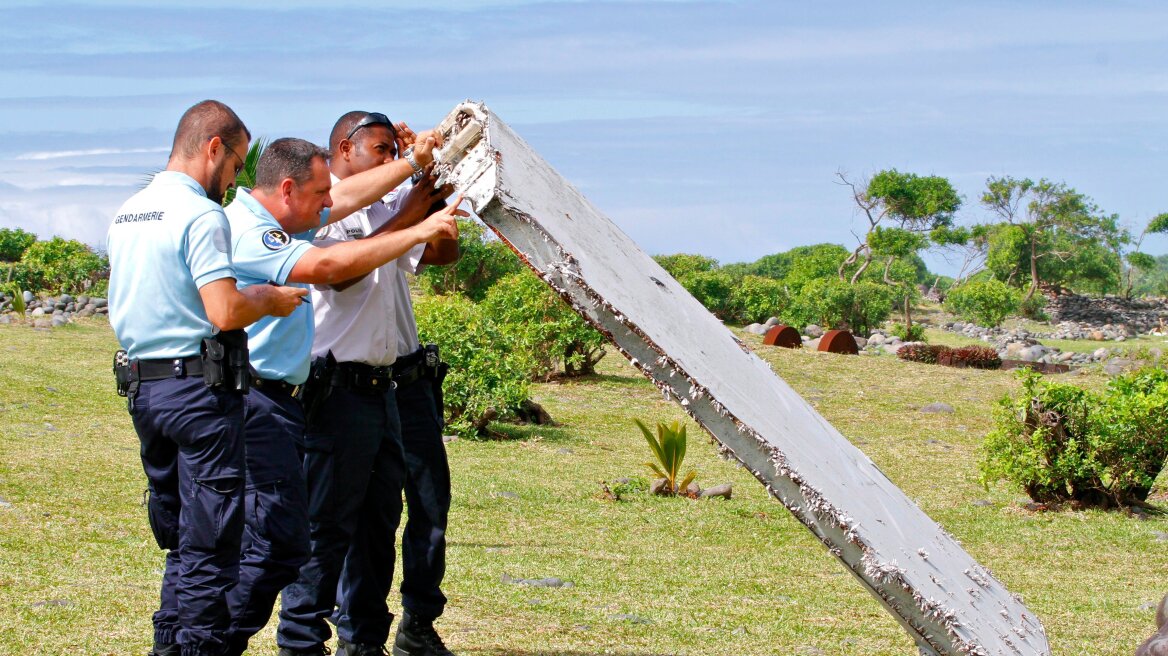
(354, 461)
(272, 227)
(176, 311)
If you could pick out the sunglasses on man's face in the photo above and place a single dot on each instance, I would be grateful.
(372, 118)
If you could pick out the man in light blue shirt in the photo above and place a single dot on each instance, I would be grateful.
(172, 287)
(271, 226)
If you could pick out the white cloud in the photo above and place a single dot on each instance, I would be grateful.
(92, 152)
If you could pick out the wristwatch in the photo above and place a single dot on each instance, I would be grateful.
(409, 157)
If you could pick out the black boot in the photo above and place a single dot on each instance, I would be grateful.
(417, 637)
(165, 650)
(346, 648)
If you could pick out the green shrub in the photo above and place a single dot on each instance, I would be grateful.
(833, 303)
(483, 261)
(755, 299)
(926, 353)
(60, 265)
(1062, 443)
(914, 333)
(544, 326)
(713, 289)
(489, 369)
(986, 302)
(13, 243)
(681, 265)
(1034, 308)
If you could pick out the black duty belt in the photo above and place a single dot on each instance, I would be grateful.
(269, 385)
(358, 375)
(409, 369)
(173, 368)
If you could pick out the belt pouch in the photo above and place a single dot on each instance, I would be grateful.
(214, 355)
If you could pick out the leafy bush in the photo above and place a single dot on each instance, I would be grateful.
(61, 265)
(1034, 308)
(913, 333)
(987, 302)
(713, 289)
(13, 243)
(755, 299)
(544, 326)
(684, 264)
(975, 357)
(669, 449)
(926, 353)
(831, 302)
(483, 261)
(1062, 443)
(489, 368)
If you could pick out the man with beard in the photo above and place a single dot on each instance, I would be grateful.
(177, 313)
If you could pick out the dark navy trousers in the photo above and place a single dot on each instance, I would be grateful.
(354, 468)
(427, 490)
(275, 536)
(193, 454)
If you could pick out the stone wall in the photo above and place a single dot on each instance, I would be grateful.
(1138, 315)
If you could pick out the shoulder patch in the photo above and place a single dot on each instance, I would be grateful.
(275, 239)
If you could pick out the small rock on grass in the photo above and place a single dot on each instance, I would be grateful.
(4, 503)
(1160, 537)
(938, 407)
(724, 491)
(447, 439)
(630, 618)
(506, 495)
(1148, 605)
(983, 503)
(549, 582)
(52, 602)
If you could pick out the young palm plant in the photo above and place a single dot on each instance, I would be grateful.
(247, 174)
(668, 447)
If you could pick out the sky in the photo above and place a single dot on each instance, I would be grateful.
(712, 127)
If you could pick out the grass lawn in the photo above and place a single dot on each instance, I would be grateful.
(79, 569)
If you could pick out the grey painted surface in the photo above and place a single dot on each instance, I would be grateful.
(946, 601)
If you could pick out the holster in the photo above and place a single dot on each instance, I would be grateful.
(225, 360)
(125, 374)
(432, 360)
(318, 386)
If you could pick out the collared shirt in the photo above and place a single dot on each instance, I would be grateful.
(165, 242)
(263, 253)
(358, 324)
(403, 315)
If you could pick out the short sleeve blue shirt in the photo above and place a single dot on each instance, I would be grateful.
(165, 242)
(263, 252)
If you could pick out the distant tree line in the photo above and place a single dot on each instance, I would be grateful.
(1044, 236)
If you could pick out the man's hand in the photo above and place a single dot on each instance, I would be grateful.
(426, 190)
(405, 137)
(279, 301)
(441, 225)
(424, 145)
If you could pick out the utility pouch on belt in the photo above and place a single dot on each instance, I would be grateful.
(225, 360)
(125, 374)
(316, 389)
